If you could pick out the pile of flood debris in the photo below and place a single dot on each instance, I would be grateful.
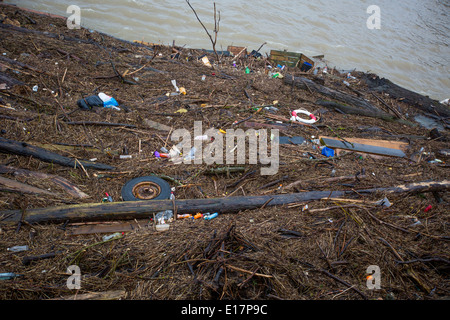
(100, 201)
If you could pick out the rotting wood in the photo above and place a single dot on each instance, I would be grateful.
(354, 110)
(382, 85)
(28, 259)
(22, 187)
(303, 83)
(9, 81)
(24, 149)
(143, 209)
(70, 188)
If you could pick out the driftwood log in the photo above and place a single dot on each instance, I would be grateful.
(353, 110)
(24, 149)
(16, 186)
(143, 209)
(307, 84)
(69, 187)
(424, 103)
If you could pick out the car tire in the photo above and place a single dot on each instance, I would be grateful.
(146, 188)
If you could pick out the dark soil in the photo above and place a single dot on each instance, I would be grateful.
(247, 255)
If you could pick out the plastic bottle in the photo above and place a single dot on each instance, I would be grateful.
(8, 275)
(161, 155)
(275, 109)
(197, 216)
(18, 248)
(183, 216)
(191, 154)
(209, 216)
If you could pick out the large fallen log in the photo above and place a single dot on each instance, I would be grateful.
(424, 103)
(353, 110)
(307, 84)
(144, 209)
(24, 149)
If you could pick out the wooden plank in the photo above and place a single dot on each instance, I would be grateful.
(22, 187)
(400, 145)
(365, 148)
(69, 187)
(73, 230)
(291, 140)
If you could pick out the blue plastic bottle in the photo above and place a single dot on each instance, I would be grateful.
(210, 216)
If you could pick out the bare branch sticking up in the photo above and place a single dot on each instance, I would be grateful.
(216, 27)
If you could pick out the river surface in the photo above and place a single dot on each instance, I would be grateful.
(411, 47)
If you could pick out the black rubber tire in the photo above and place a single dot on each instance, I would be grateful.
(128, 187)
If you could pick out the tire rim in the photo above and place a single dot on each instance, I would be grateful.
(146, 190)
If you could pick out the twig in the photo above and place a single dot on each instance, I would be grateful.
(246, 271)
(388, 106)
(96, 123)
(266, 203)
(410, 272)
(79, 252)
(385, 223)
(241, 179)
(432, 259)
(216, 27)
(82, 167)
(119, 75)
(343, 282)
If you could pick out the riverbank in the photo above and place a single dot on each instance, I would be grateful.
(271, 252)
